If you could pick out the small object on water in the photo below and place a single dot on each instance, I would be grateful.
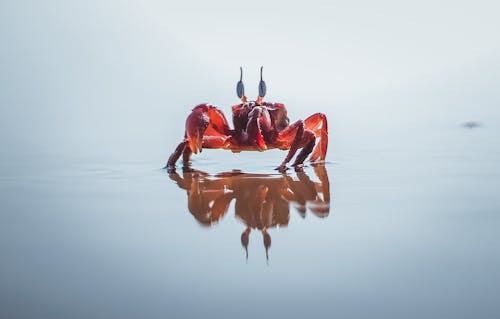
(471, 125)
(258, 126)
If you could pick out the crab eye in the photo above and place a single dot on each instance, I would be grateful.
(240, 88)
(262, 85)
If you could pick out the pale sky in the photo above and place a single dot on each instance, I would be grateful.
(109, 73)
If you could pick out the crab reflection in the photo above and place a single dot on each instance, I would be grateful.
(261, 201)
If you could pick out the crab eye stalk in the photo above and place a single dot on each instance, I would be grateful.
(262, 88)
(262, 85)
(240, 88)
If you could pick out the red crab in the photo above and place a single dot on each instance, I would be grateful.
(258, 126)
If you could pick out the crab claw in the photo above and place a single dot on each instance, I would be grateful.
(196, 124)
(258, 119)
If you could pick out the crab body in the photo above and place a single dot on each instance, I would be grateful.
(258, 126)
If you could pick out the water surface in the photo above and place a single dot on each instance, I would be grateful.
(377, 232)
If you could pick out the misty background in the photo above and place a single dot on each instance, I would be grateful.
(115, 80)
(93, 100)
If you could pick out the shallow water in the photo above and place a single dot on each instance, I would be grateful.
(379, 231)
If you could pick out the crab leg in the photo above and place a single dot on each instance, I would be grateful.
(319, 125)
(186, 154)
(180, 149)
(301, 138)
(295, 130)
(309, 140)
